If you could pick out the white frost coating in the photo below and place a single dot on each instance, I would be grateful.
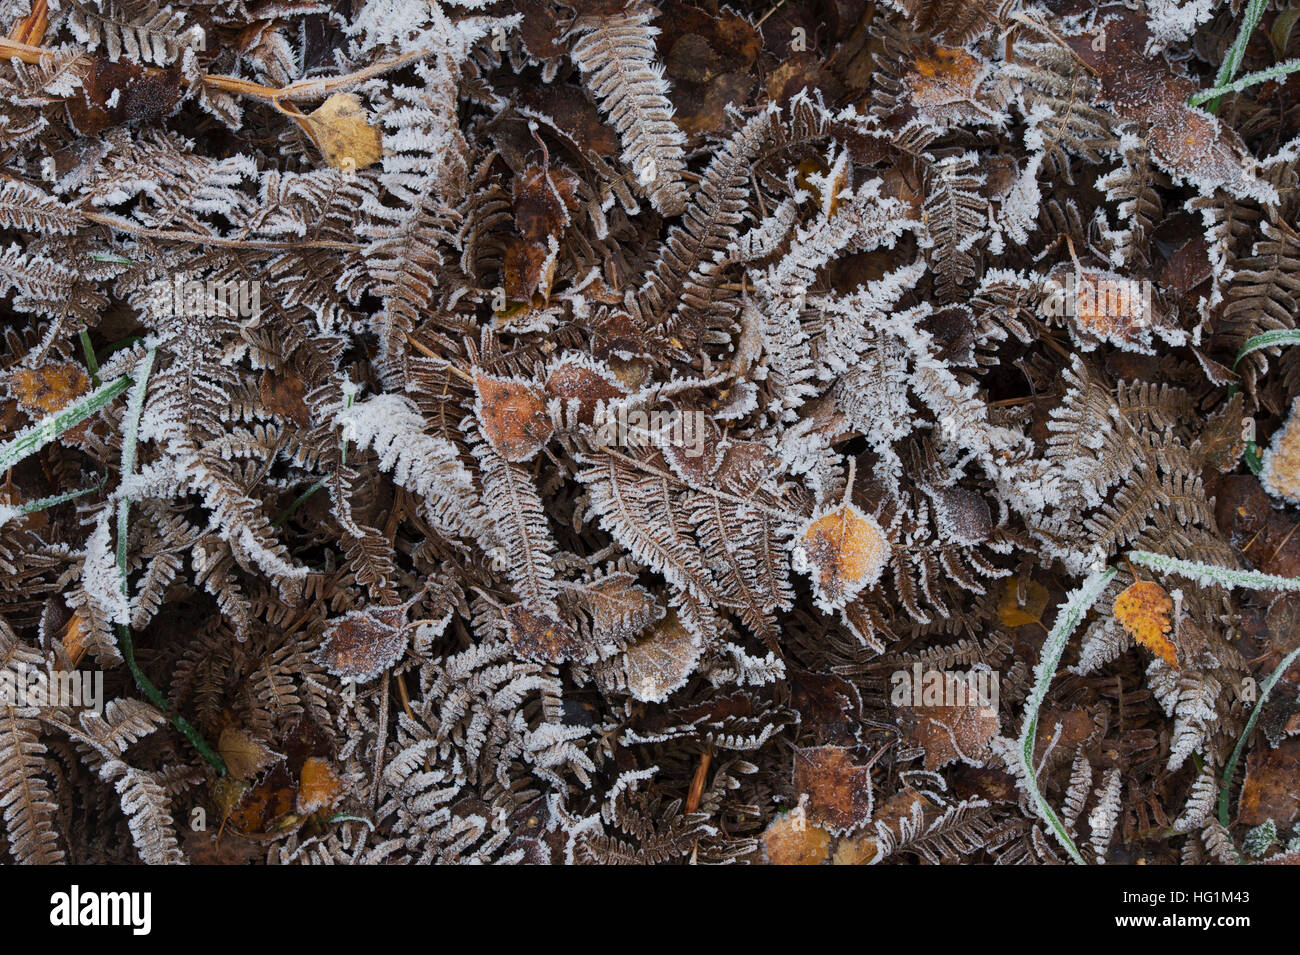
(422, 463)
(100, 577)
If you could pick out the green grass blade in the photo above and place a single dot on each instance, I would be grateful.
(1213, 574)
(1231, 766)
(1067, 619)
(130, 437)
(1237, 52)
(1280, 336)
(31, 507)
(1247, 81)
(36, 436)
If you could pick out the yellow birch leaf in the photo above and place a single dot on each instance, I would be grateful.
(341, 128)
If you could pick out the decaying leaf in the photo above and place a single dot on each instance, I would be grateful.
(1281, 472)
(837, 786)
(363, 643)
(1269, 790)
(661, 661)
(951, 733)
(790, 839)
(319, 786)
(536, 635)
(1021, 605)
(512, 414)
(49, 388)
(244, 756)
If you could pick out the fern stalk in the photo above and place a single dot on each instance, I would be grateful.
(130, 438)
(1067, 619)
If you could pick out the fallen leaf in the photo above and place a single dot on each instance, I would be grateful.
(1144, 609)
(829, 706)
(1280, 475)
(791, 840)
(244, 756)
(944, 85)
(583, 383)
(951, 733)
(1012, 612)
(838, 788)
(512, 415)
(341, 127)
(136, 93)
(1269, 790)
(662, 661)
(319, 786)
(846, 551)
(539, 636)
(363, 643)
(48, 388)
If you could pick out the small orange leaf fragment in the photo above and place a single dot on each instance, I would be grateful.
(846, 550)
(1144, 610)
(319, 786)
(74, 639)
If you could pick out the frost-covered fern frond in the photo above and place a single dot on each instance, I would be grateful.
(616, 54)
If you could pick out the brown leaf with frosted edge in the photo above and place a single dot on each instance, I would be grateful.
(49, 388)
(363, 643)
(115, 93)
(829, 706)
(838, 788)
(944, 85)
(662, 660)
(846, 551)
(585, 381)
(244, 756)
(539, 636)
(951, 733)
(512, 415)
